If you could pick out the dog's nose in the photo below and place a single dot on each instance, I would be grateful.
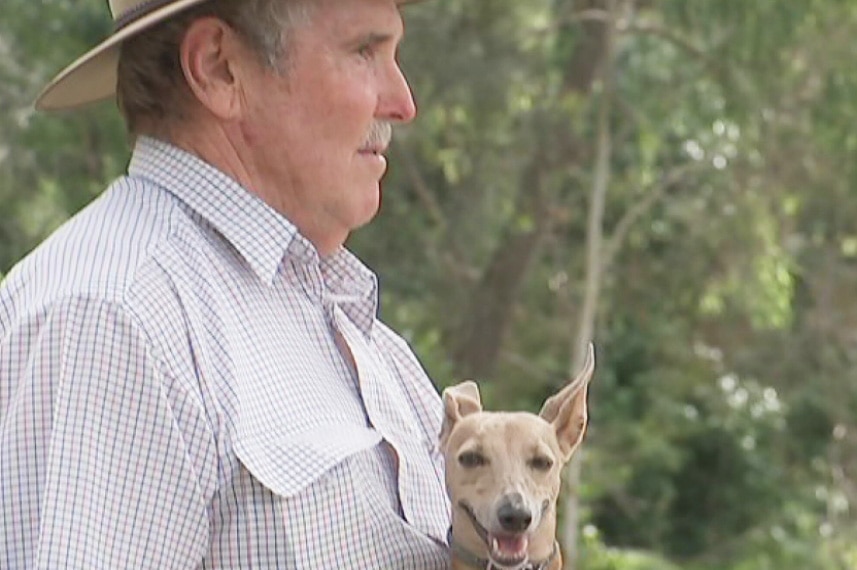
(513, 515)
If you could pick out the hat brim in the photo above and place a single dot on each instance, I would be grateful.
(92, 77)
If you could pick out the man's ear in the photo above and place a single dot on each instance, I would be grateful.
(458, 401)
(209, 53)
(566, 410)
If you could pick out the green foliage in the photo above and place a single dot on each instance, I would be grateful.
(595, 555)
(50, 166)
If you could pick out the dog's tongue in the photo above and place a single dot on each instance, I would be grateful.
(511, 547)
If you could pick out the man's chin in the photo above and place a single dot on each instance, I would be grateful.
(367, 209)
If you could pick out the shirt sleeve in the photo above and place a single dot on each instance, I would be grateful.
(94, 464)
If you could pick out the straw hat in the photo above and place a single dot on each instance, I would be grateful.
(92, 77)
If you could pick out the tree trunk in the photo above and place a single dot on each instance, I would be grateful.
(479, 339)
(588, 313)
(492, 300)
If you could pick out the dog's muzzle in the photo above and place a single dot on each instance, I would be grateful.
(513, 515)
(508, 550)
(475, 561)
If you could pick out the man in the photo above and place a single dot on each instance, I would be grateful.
(192, 374)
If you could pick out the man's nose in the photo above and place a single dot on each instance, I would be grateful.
(397, 101)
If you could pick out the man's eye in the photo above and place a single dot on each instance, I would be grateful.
(366, 51)
(471, 459)
(540, 463)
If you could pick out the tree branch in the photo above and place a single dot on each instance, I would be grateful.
(421, 188)
(635, 212)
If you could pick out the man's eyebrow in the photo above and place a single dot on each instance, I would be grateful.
(377, 40)
(374, 38)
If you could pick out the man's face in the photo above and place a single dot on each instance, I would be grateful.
(307, 128)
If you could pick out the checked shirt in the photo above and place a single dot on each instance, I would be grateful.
(184, 383)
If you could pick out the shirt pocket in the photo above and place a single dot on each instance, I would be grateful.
(344, 521)
(288, 464)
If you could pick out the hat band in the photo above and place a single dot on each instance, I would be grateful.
(137, 12)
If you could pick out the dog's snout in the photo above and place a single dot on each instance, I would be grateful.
(513, 515)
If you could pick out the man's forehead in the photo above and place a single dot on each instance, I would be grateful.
(380, 18)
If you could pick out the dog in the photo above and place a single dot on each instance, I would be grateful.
(503, 475)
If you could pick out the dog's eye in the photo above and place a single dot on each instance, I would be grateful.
(472, 459)
(540, 463)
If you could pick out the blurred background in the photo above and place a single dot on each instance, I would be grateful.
(675, 180)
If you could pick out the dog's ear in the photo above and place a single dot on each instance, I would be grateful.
(458, 401)
(566, 410)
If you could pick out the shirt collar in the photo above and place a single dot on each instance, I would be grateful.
(260, 234)
(352, 286)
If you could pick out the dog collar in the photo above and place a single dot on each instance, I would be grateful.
(475, 561)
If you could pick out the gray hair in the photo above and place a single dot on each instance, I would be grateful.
(151, 89)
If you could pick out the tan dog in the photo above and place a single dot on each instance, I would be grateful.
(503, 475)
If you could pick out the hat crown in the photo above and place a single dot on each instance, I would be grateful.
(127, 11)
(118, 8)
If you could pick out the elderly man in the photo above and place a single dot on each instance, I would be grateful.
(192, 374)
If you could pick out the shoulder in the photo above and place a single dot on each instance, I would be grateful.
(99, 251)
(128, 246)
(129, 255)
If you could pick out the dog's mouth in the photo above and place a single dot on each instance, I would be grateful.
(508, 550)
(504, 550)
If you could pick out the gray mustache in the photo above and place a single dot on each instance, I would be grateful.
(380, 134)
